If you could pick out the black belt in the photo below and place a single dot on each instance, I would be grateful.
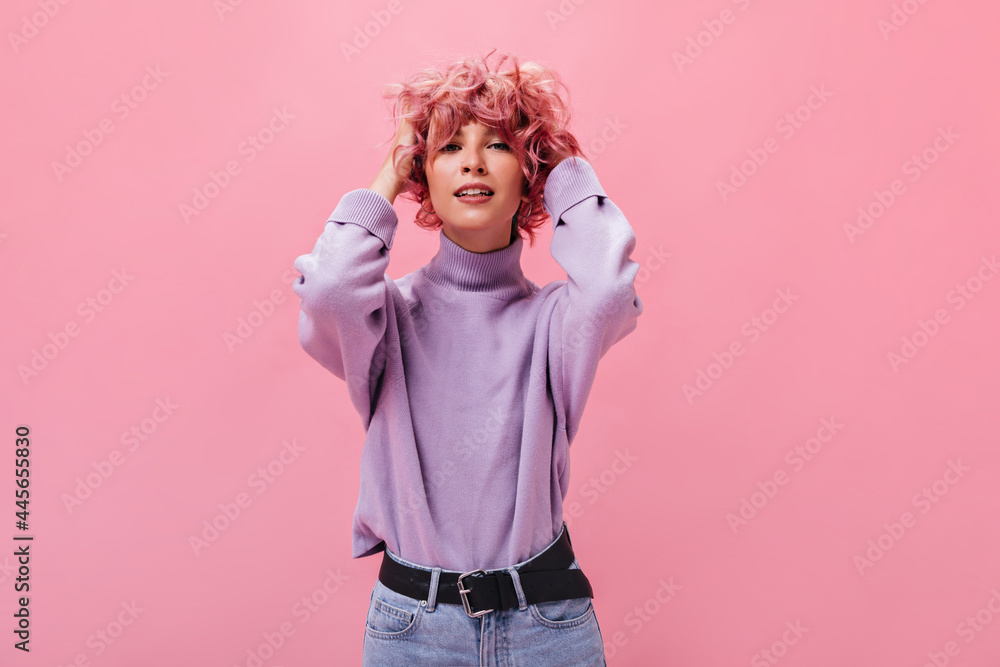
(545, 578)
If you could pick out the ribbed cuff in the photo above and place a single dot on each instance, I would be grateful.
(369, 209)
(572, 181)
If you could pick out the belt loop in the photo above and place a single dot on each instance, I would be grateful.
(521, 602)
(432, 592)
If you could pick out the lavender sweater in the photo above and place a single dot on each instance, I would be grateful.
(469, 378)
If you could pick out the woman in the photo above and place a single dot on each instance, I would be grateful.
(470, 379)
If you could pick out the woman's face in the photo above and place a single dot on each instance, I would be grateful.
(476, 153)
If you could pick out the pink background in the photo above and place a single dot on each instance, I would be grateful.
(662, 134)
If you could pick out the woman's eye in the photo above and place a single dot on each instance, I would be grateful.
(495, 143)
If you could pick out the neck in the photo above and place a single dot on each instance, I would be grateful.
(480, 241)
(497, 271)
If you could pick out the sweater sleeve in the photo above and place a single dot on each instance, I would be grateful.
(344, 291)
(597, 306)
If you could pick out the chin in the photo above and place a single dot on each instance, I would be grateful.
(472, 225)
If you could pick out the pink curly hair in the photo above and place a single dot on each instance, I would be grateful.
(522, 104)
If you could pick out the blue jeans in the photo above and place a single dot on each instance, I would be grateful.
(401, 630)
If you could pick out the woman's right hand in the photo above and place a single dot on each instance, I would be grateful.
(389, 181)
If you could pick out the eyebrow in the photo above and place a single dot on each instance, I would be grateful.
(490, 132)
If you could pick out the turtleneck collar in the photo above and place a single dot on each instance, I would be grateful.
(495, 271)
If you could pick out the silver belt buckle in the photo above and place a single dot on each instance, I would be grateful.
(464, 591)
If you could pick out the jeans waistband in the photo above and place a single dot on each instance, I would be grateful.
(516, 566)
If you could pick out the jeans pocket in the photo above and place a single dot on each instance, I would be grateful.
(563, 613)
(391, 615)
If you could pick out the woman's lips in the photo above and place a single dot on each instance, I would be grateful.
(474, 199)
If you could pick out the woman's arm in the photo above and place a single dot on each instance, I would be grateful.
(343, 294)
(390, 179)
(598, 305)
(343, 289)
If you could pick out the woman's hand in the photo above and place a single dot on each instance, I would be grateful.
(389, 181)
